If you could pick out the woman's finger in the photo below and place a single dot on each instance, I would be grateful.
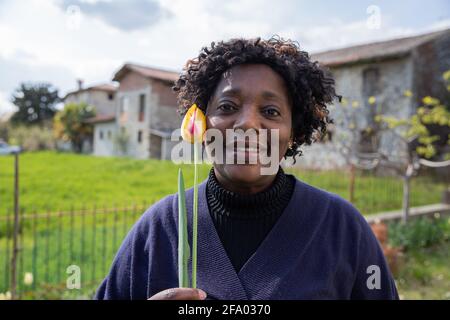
(179, 294)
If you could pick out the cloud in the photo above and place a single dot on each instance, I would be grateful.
(14, 69)
(124, 15)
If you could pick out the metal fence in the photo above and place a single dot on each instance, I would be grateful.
(49, 242)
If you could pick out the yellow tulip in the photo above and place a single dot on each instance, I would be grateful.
(193, 126)
(372, 100)
(193, 129)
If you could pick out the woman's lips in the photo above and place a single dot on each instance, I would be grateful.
(247, 152)
(246, 155)
(246, 146)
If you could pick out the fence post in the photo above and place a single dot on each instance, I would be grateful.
(16, 228)
(406, 191)
(352, 183)
(35, 248)
(8, 248)
(94, 234)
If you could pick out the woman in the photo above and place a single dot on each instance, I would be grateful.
(260, 236)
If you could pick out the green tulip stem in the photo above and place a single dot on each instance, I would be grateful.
(194, 220)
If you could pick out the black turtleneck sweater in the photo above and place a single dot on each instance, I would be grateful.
(243, 221)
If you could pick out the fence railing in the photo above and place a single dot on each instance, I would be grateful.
(50, 242)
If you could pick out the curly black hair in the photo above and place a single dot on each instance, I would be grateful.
(310, 87)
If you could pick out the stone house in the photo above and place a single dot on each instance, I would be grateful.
(397, 73)
(101, 96)
(144, 116)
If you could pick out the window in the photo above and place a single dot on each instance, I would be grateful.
(369, 139)
(124, 101)
(371, 88)
(101, 135)
(109, 134)
(371, 82)
(123, 108)
(139, 136)
(110, 96)
(141, 107)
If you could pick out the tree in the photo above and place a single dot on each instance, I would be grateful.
(121, 140)
(35, 102)
(69, 124)
(421, 140)
(420, 145)
(356, 137)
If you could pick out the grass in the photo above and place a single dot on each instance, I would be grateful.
(423, 269)
(427, 275)
(50, 244)
(57, 181)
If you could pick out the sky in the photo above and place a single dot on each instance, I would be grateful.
(60, 41)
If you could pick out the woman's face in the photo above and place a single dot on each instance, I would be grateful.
(250, 96)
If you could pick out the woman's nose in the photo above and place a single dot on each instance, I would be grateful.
(247, 119)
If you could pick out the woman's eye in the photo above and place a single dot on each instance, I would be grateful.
(227, 107)
(272, 112)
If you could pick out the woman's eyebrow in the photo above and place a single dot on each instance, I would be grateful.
(266, 94)
(228, 91)
(271, 95)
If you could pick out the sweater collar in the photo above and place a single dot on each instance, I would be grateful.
(271, 200)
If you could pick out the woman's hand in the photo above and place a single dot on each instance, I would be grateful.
(179, 294)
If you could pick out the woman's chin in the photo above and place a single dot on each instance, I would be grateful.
(244, 173)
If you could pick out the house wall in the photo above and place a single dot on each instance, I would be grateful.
(164, 115)
(103, 105)
(104, 146)
(160, 113)
(131, 87)
(431, 60)
(167, 147)
(164, 107)
(395, 76)
(99, 99)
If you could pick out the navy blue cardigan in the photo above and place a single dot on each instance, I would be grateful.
(320, 248)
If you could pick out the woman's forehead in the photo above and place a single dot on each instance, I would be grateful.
(257, 79)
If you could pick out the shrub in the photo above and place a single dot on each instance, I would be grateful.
(419, 233)
(32, 138)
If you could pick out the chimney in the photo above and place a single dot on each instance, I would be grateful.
(80, 84)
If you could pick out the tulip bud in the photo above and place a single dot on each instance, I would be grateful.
(193, 126)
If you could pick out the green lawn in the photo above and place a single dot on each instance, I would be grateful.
(426, 273)
(49, 245)
(57, 181)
